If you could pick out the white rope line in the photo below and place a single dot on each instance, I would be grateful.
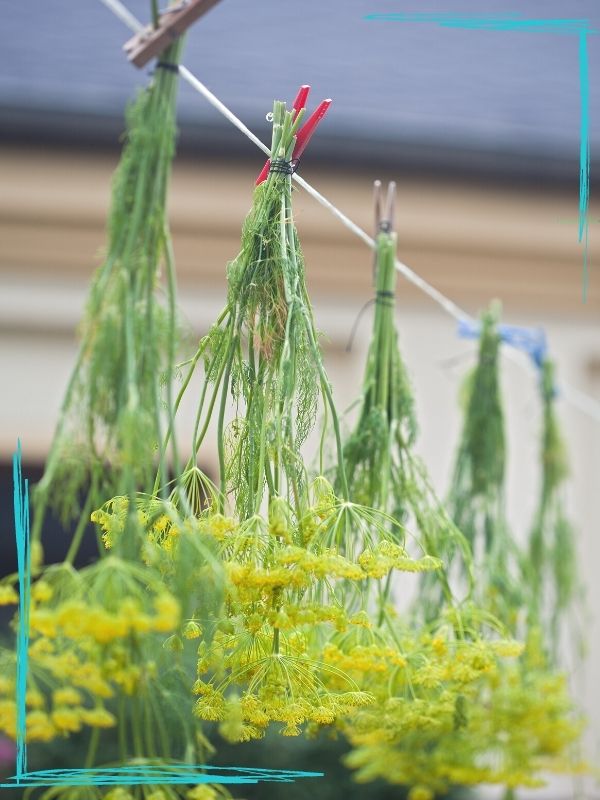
(578, 399)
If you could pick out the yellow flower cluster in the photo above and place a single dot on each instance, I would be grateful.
(8, 596)
(48, 717)
(466, 718)
(75, 619)
(287, 580)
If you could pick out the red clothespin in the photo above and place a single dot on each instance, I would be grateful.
(173, 22)
(306, 131)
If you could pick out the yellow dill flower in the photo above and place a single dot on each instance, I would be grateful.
(8, 717)
(507, 648)
(40, 727)
(133, 618)
(191, 630)
(420, 793)
(41, 647)
(98, 717)
(42, 621)
(127, 678)
(65, 719)
(41, 591)
(220, 526)
(8, 596)
(72, 617)
(157, 794)
(103, 627)
(362, 619)
(66, 697)
(173, 643)
(202, 791)
(118, 793)
(89, 677)
(168, 613)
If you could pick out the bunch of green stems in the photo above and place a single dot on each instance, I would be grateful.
(262, 353)
(477, 496)
(383, 471)
(111, 418)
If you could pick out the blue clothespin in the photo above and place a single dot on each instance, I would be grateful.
(530, 340)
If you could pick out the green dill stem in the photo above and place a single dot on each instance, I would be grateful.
(220, 423)
(326, 389)
(92, 748)
(172, 285)
(188, 378)
(148, 727)
(261, 462)
(121, 729)
(136, 727)
(155, 14)
(81, 526)
(197, 440)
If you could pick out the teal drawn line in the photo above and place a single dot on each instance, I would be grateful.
(582, 28)
(501, 23)
(143, 774)
(21, 509)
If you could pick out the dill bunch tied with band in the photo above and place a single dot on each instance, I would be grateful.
(263, 353)
(383, 471)
(111, 418)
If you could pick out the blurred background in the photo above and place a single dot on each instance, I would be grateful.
(480, 130)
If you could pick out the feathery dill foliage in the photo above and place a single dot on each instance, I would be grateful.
(551, 568)
(111, 417)
(476, 500)
(383, 472)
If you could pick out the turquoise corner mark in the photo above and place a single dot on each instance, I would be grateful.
(578, 27)
(137, 774)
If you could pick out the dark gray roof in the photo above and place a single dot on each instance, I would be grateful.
(403, 92)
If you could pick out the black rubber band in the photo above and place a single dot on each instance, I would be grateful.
(283, 167)
(385, 298)
(167, 65)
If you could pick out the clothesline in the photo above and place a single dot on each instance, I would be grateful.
(576, 398)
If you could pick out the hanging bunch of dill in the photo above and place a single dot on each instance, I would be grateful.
(109, 643)
(383, 471)
(110, 421)
(476, 500)
(550, 567)
(263, 351)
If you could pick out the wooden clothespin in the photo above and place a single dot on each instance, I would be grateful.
(384, 217)
(172, 22)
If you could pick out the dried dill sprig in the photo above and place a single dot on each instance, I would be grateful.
(383, 471)
(111, 417)
(551, 566)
